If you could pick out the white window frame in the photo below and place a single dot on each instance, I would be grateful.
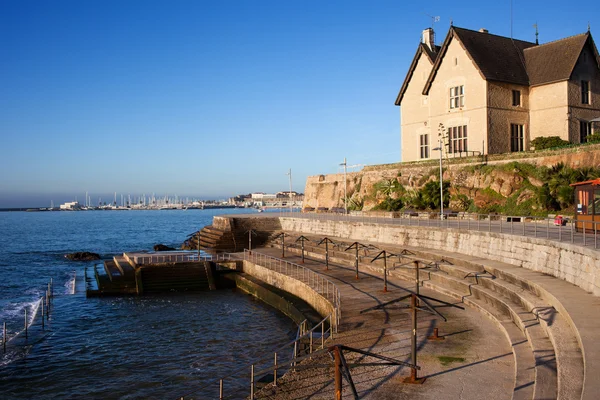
(457, 97)
(424, 145)
(585, 94)
(518, 139)
(457, 139)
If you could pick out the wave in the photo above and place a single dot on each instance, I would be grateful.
(70, 284)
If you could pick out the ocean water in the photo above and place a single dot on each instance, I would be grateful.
(162, 346)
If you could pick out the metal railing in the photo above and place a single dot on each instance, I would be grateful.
(168, 258)
(245, 381)
(318, 282)
(582, 233)
(43, 304)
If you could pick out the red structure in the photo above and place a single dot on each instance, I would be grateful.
(587, 205)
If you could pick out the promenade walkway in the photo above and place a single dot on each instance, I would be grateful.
(474, 361)
(536, 227)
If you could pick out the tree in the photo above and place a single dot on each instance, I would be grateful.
(431, 194)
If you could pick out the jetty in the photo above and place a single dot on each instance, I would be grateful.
(143, 273)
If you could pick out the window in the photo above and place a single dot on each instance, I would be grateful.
(424, 146)
(457, 137)
(585, 92)
(516, 137)
(516, 98)
(585, 129)
(457, 96)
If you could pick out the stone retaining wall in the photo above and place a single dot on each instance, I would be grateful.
(293, 286)
(574, 264)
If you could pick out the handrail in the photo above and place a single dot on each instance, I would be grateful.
(306, 341)
(324, 287)
(561, 229)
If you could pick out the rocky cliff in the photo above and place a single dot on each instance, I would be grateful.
(478, 182)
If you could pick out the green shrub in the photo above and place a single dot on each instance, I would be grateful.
(389, 204)
(548, 142)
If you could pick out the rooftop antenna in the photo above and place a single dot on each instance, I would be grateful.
(536, 33)
(511, 19)
(434, 19)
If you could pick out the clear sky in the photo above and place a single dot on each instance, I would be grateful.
(214, 98)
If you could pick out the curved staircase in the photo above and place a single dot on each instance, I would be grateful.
(552, 326)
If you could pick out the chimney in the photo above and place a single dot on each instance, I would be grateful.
(429, 38)
(483, 30)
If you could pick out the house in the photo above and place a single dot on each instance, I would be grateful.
(481, 93)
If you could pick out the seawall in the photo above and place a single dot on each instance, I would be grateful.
(575, 264)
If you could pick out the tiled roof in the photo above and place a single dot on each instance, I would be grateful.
(554, 61)
(499, 58)
(422, 49)
(503, 59)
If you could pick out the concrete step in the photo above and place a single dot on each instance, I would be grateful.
(123, 265)
(112, 271)
(523, 355)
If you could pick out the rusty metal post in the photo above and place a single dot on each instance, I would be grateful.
(250, 240)
(25, 323)
(275, 371)
(252, 382)
(42, 301)
(435, 335)
(413, 378)
(221, 389)
(282, 245)
(416, 277)
(326, 254)
(384, 273)
(338, 373)
(356, 261)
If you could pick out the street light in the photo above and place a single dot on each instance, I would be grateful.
(441, 150)
(290, 175)
(344, 164)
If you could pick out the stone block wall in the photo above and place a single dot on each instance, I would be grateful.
(575, 264)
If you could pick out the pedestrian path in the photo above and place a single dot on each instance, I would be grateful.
(453, 367)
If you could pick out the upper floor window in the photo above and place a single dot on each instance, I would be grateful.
(516, 137)
(585, 92)
(457, 138)
(516, 98)
(424, 145)
(457, 96)
(585, 130)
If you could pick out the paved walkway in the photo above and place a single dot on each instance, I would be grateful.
(543, 229)
(453, 367)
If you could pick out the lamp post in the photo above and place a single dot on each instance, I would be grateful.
(344, 164)
(441, 150)
(290, 175)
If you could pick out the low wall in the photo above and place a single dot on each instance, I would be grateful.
(269, 297)
(290, 285)
(575, 264)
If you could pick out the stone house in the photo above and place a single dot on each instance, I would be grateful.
(481, 93)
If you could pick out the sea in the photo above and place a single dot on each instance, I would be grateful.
(149, 347)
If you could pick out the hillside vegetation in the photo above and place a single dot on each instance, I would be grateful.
(516, 188)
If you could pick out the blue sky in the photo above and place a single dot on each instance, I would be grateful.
(210, 99)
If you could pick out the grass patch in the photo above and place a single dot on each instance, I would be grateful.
(445, 360)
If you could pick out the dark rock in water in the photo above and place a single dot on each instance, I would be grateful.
(162, 247)
(82, 256)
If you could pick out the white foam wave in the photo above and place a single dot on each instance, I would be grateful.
(70, 284)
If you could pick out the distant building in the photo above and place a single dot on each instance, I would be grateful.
(483, 93)
(71, 206)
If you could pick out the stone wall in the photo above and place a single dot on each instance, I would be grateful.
(328, 190)
(293, 286)
(575, 264)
